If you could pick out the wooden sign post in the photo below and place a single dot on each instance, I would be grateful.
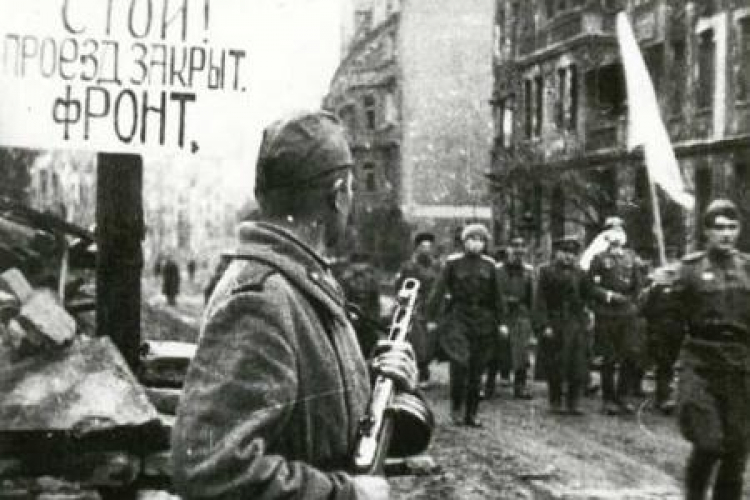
(119, 233)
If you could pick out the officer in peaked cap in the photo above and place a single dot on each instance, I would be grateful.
(474, 312)
(711, 292)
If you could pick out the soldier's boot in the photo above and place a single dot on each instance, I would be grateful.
(573, 399)
(457, 390)
(625, 383)
(555, 396)
(472, 408)
(664, 400)
(520, 388)
(490, 382)
(728, 483)
(698, 474)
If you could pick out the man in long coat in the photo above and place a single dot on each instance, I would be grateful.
(563, 292)
(469, 332)
(712, 290)
(274, 397)
(516, 282)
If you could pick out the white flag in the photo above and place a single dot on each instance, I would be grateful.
(645, 126)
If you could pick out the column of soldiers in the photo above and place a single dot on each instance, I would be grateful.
(484, 316)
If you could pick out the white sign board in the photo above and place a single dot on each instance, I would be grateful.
(124, 75)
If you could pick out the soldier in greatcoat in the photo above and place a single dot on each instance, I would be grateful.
(563, 292)
(468, 334)
(516, 282)
(712, 290)
(617, 279)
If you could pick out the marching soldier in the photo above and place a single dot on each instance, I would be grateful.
(422, 266)
(617, 280)
(712, 290)
(563, 291)
(516, 282)
(469, 332)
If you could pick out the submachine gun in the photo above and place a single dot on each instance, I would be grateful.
(392, 412)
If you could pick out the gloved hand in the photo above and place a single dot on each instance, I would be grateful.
(396, 360)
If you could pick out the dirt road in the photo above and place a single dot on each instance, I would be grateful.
(523, 451)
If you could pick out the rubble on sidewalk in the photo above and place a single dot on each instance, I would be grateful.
(32, 318)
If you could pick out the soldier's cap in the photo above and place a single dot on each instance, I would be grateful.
(517, 241)
(613, 221)
(720, 207)
(475, 229)
(567, 244)
(423, 236)
(300, 149)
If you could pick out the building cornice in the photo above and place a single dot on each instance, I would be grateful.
(682, 149)
(358, 46)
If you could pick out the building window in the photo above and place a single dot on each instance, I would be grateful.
(368, 177)
(706, 69)
(677, 76)
(538, 105)
(743, 71)
(504, 121)
(703, 190)
(605, 88)
(573, 86)
(562, 85)
(527, 109)
(368, 103)
(654, 58)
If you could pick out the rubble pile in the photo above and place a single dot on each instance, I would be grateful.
(75, 420)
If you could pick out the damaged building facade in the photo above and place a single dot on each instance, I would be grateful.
(412, 90)
(559, 159)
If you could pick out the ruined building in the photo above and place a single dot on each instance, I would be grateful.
(413, 91)
(559, 157)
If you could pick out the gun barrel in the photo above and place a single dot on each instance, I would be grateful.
(376, 426)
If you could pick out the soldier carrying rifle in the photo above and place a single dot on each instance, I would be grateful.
(273, 399)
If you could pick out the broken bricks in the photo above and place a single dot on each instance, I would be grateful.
(32, 318)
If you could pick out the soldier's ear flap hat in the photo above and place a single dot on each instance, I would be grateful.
(300, 149)
(720, 208)
(475, 230)
(423, 236)
(613, 221)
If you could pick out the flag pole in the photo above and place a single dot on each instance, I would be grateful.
(657, 227)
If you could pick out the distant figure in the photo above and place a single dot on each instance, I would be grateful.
(424, 267)
(157, 266)
(191, 270)
(170, 280)
(516, 282)
(362, 291)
